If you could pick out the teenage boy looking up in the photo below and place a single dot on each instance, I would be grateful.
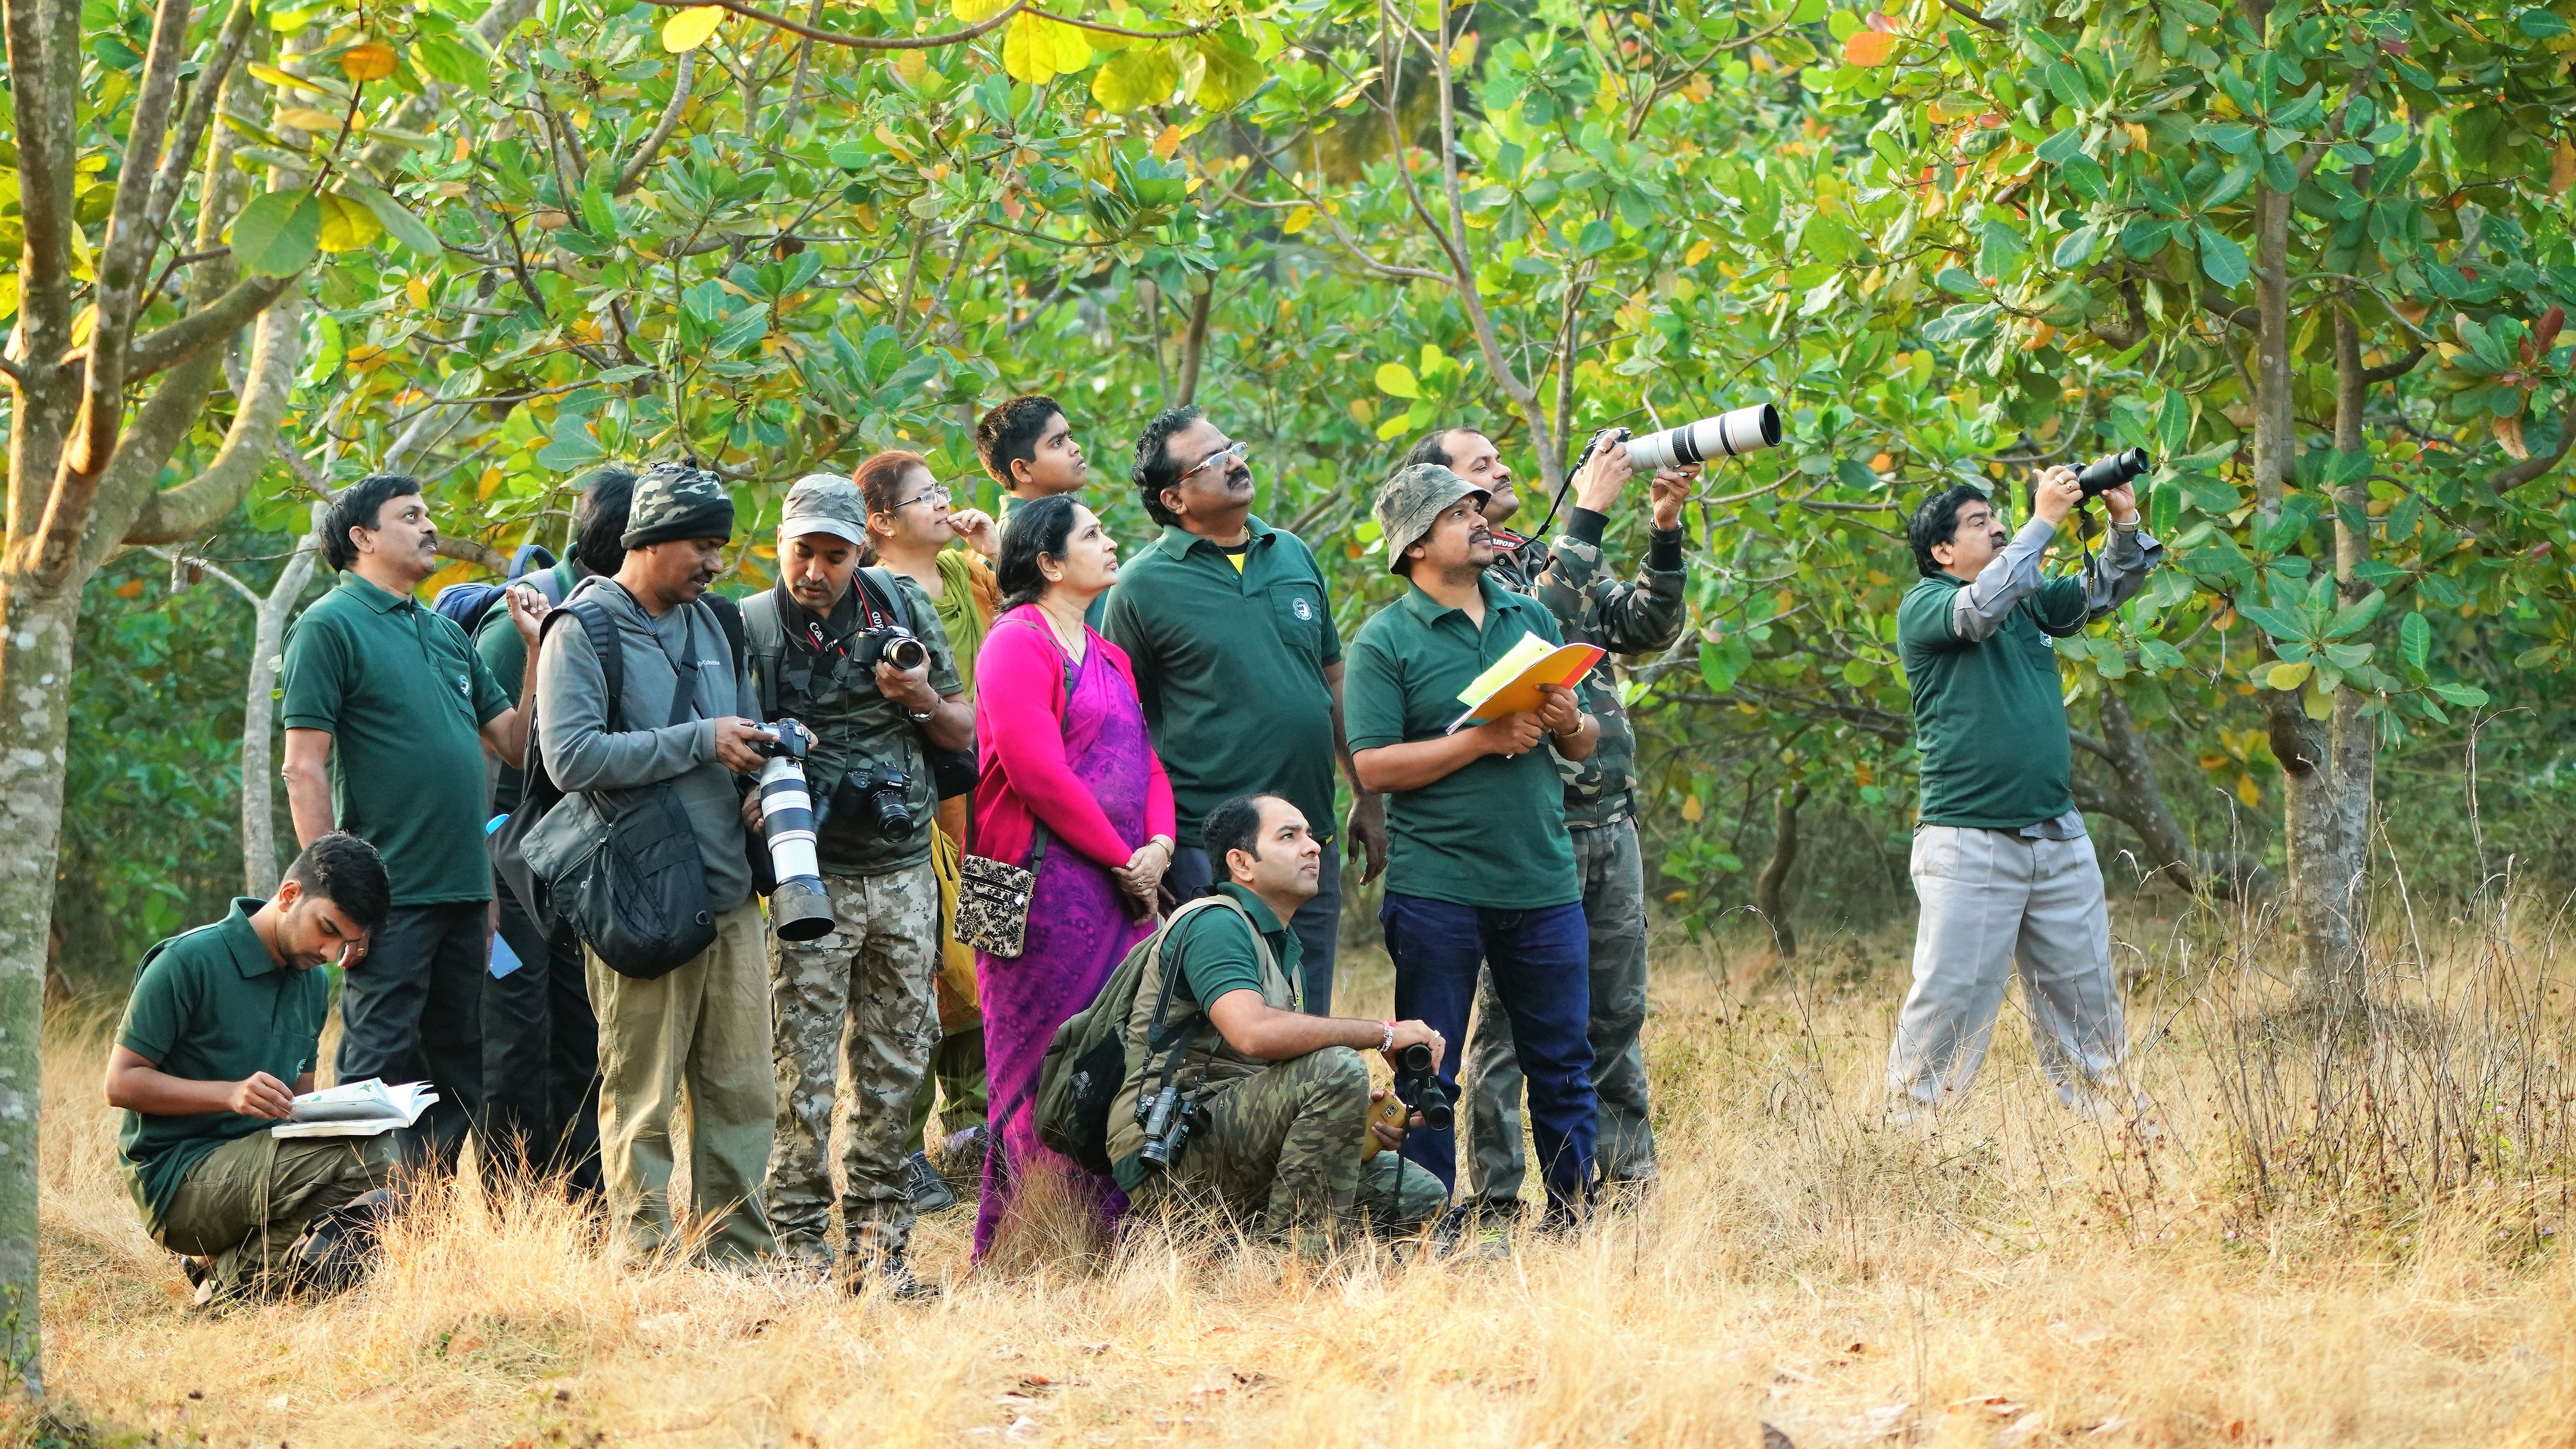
(1592, 606)
(1230, 625)
(1479, 871)
(388, 711)
(219, 1036)
(1027, 445)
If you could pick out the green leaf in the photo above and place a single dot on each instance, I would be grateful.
(598, 213)
(2286, 677)
(2539, 24)
(1135, 79)
(571, 446)
(278, 233)
(2056, 149)
(2415, 640)
(451, 62)
(1723, 660)
(2356, 616)
(2467, 696)
(2222, 259)
(2076, 248)
(1231, 76)
(2173, 423)
(1396, 380)
(397, 219)
(2279, 623)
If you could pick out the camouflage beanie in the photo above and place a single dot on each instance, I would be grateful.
(675, 500)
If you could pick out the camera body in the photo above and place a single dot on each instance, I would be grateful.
(1420, 1089)
(799, 909)
(895, 644)
(1168, 1123)
(879, 797)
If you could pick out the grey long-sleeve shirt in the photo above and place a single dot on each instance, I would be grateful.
(2111, 578)
(581, 753)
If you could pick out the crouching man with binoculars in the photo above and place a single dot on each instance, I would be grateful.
(2001, 863)
(858, 657)
(1241, 1102)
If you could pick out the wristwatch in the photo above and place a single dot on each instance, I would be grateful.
(1575, 732)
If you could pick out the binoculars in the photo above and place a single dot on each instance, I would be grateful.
(1421, 1090)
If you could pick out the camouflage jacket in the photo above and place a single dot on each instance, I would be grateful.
(1593, 607)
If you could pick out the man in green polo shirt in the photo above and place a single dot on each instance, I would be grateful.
(388, 712)
(540, 1037)
(2001, 861)
(218, 1037)
(1281, 1099)
(1229, 624)
(1480, 872)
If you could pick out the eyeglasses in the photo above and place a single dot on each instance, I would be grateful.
(1230, 453)
(933, 496)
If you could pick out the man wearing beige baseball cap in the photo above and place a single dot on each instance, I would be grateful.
(856, 654)
(1479, 871)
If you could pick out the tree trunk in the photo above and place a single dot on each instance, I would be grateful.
(260, 865)
(2137, 800)
(2337, 978)
(1194, 345)
(1770, 897)
(35, 663)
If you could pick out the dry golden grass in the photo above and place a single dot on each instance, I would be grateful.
(2018, 1277)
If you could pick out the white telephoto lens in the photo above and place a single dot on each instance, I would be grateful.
(1728, 435)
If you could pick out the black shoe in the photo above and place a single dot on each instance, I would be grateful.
(892, 1277)
(338, 1248)
(930, 1192)
(1471, 1229)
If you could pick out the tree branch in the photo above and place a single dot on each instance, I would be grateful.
(1964, 12)
(880, 42)
(633, 175)
(2538, 463)
(174, 514)
(208, 86)
(161, 350)
(2391, 371)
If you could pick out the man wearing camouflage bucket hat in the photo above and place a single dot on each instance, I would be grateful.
(1479, 872)
(686, 715)
(828, 649)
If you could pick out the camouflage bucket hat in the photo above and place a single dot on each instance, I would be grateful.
(824, 503)
(1411, 501)
(675, 500)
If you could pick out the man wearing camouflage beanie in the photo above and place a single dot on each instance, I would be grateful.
(686, 715)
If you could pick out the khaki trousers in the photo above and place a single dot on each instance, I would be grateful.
(704, 1026)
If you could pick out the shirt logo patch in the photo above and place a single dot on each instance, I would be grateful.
(465, 685)
(1303, 610)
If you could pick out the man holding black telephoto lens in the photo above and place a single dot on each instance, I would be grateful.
(2001, 863)
(856, 655)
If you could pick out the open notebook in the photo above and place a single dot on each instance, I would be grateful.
(1511, 682)
(357, 1109)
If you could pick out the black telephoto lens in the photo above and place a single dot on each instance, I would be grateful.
(2106, 473)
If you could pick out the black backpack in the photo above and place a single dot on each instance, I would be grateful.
(636, 895)
(469, 603)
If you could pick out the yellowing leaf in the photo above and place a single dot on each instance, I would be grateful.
(1698, 252)
(1037, 50)
(1141, 76)
(2248, 792)
(367, 60)
(912, 65)
(2508, 434)
(1298, 220)
(304, 118)
(1869, 47)
(688, 29)
(2562, 169)
(347, 225)
(1396, 379)
(1692, 810)
(1167, 144)
(2288, 676)
(1463, 54)
(288, 79)
(976, 12)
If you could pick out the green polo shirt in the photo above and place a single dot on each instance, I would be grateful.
(1230, 665)
(1215, 953)
(404, 697)
(506, 655)
(1493, 832)
(1990, 716)
(210, 1005)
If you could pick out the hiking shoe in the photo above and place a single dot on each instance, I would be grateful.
(1467, 1230)
(930, 1192)
(891, 1278)
(961, 1155)
(338, 1248)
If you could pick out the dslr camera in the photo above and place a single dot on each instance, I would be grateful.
(881, 797)
(895, 644)
(1168, 1123)
(799, 909)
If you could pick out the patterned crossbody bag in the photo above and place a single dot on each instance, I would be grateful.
(993, 896)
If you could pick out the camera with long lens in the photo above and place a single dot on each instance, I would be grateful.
(2106, 473)
(895, 644)
(1168, 1121)
(882, 798)
(798, 908)
(1420, 1088)
(1728, 435)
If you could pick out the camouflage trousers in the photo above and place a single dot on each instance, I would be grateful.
(853, 1024)
(1284, 1145)
(1489, 1072)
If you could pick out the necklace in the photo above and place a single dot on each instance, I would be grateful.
(1074, 644)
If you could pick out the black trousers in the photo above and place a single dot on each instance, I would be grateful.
(412, 1011)
(541, 1056)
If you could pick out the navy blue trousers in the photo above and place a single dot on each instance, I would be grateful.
(1541, 962)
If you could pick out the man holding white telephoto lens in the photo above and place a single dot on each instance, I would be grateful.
(857, 655)
(2001, 862)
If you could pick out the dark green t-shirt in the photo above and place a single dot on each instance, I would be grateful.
(211, 1006)
(1493, 832)
(1990, 716)
(404, 697)
(1230, 667)
(1215, 953)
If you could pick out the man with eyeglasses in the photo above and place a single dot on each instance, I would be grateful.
(1230, 626)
